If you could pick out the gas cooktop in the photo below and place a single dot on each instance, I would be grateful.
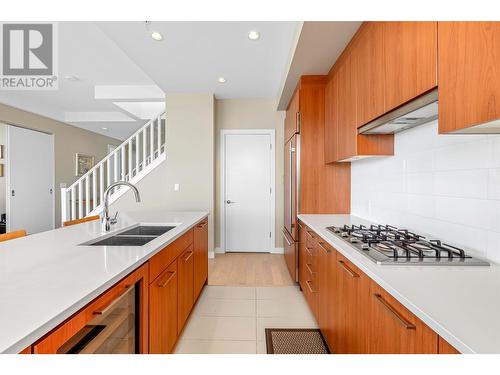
(388, 245)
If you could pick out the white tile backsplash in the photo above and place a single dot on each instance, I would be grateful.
(447, 186)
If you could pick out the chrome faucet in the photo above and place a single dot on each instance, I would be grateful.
(106, 220)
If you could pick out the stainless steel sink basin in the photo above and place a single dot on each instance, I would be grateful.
(147, 230)
(124, 241)
(137, 235)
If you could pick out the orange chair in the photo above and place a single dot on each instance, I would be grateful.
(79, 221)
(12, 235)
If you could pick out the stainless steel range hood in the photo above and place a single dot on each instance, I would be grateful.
(417, 112)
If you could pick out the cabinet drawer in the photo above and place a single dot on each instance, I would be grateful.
(162, 260)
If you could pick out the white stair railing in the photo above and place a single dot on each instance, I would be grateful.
(131, 160)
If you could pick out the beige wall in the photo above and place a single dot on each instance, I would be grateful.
(68, 140)
(250, 114)
(190, 162)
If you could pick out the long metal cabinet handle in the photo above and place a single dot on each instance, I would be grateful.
(164, 283)
(308, 282)
(347, 269)
(324, 248)
(308, 266)
(104, 309)
(394, 313)
(286, 238)
(188, 255)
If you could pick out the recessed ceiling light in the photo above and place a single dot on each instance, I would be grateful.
(156, 36)
(71, 78)
(253, 35)
(104, 128)
(221, 80)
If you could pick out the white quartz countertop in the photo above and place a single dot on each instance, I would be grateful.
(461, 304)
(46, 277)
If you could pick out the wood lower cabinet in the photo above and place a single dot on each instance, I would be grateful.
(469, 76)
(355, 314)
(115, 322)
(163, 311)
(395, 330)
(351, 298)
(142, 313)
(185, 297)
(200, 248)
(445, 348)
(326, 292)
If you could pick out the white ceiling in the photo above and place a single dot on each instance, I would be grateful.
(119, 62)
(193, 55)
(86, 52)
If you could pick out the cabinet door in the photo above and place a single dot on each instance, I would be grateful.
(352, 288)
(469, 74)
(291, 123)
(302, 256)
(200, 244)
(185, 297)
(445, 348)
(347, 130)
(331, 119)
(163, 311)
(368, 55)
(410, 50)
(325, 292)
(394, 330)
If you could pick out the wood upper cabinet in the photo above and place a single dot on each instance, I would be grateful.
(163, 311)
(331, 120)
(200, 245)
(291, 118)
(323, 188)
(395, 330)
(410, 60)
(185, 297)
(469, 75)
(368, 56)
(350, 332)
(347, 131)
(445, 348)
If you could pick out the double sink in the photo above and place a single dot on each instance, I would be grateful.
(136, 236)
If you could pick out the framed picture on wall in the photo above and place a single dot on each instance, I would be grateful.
(83, 164)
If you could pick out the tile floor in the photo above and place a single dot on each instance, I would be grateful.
(231, 320)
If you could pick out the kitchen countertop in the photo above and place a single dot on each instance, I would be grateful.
(461, 304)
(47, 277)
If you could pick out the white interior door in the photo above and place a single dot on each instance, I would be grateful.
(247, 192)
(30, 180)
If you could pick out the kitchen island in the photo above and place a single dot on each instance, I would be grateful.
(47, 278)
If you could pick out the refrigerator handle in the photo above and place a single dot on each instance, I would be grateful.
(285, 235)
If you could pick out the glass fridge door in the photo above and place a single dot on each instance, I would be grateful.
(113, 330)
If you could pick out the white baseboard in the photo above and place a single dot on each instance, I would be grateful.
(278, 250)
(211, 255)
(218, 250)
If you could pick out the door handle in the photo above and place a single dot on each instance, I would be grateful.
(229, 202)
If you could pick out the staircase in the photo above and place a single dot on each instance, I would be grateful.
(131, 161)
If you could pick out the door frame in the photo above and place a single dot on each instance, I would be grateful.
(222, 179)
(7, 174)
